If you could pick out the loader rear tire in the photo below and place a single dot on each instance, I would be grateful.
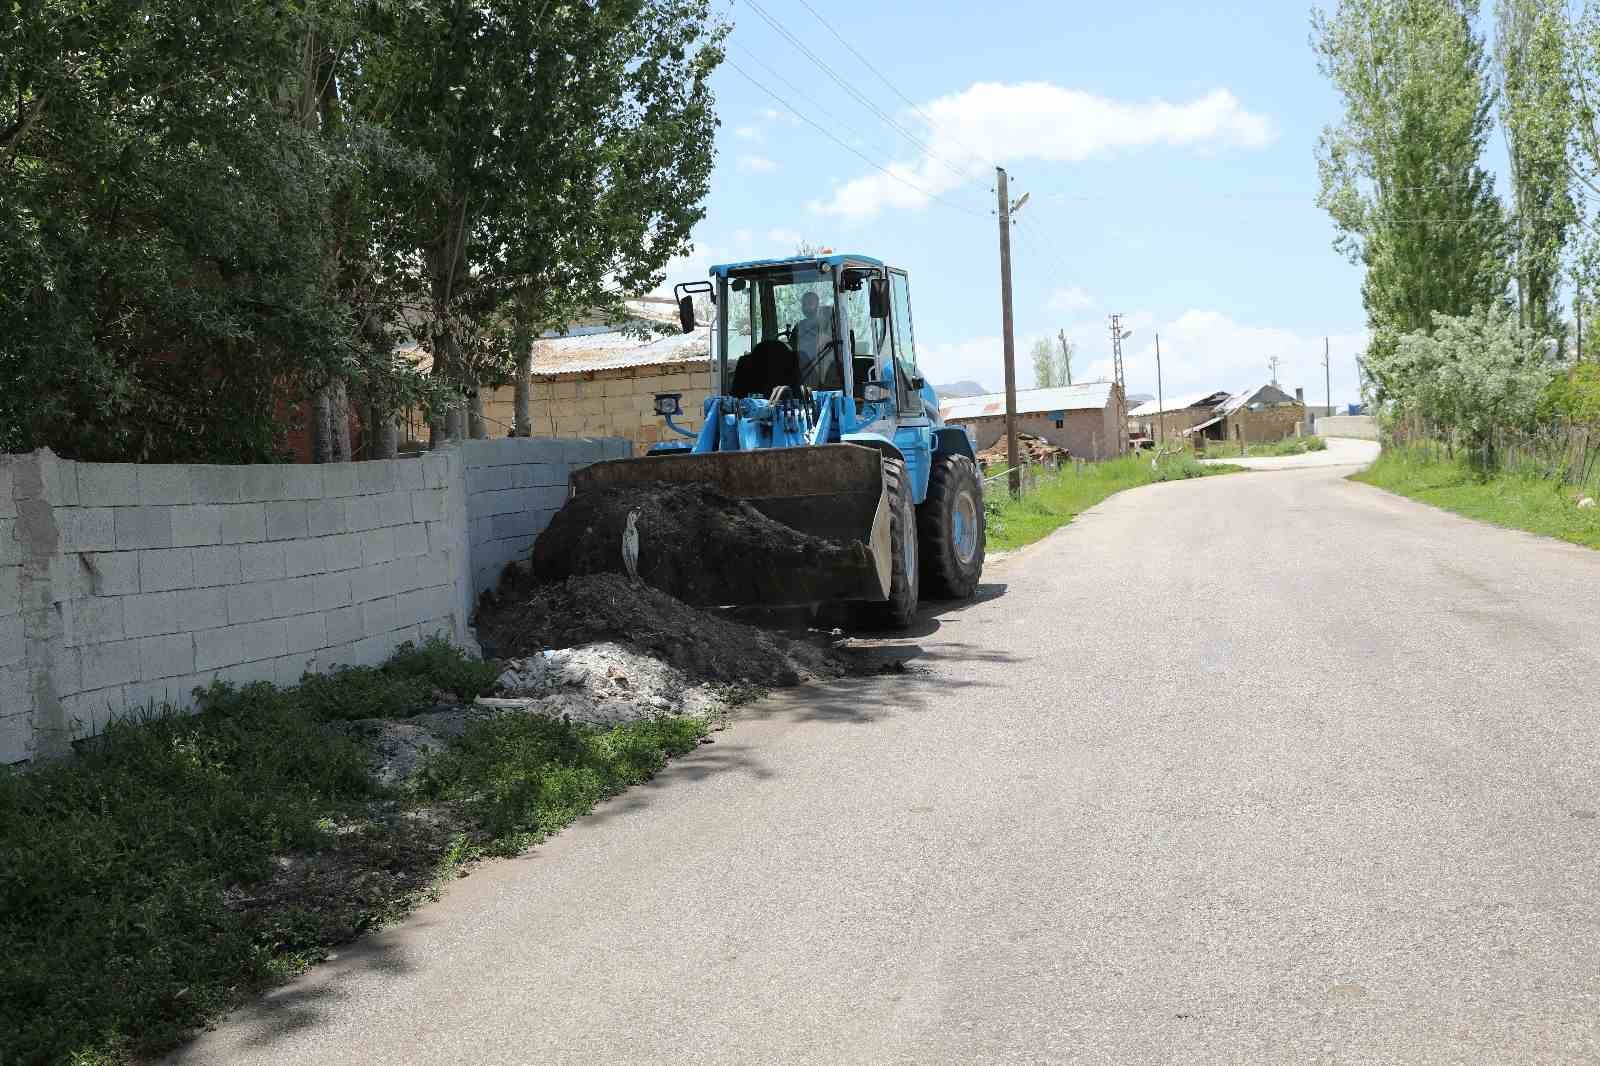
(905, 576)
(951, 522)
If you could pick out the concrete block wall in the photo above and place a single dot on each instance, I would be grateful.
(123, 585)
(513, 486)
(610, 403)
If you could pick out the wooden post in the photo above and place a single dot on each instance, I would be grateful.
(1014, 476)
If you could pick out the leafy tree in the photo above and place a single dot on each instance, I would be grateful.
(1401, 174)
(1536, 114)
(1051, 365)
(1469, 375)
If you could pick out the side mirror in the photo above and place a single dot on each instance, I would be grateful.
(686, 313)
(878, 298)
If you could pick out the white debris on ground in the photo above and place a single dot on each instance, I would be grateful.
(600, 684)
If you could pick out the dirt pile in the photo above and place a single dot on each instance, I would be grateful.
(697, 545)
(525, 618)
(605, 684)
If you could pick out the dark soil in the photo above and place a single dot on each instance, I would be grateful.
(525, 616)
(699, 546)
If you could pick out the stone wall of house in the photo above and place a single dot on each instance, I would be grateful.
(1085, 434)
(125, 585)
(1265, 425)
(609, 403)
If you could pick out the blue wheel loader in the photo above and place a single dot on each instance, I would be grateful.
(822, 422)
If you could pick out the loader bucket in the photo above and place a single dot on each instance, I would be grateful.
(832, 491)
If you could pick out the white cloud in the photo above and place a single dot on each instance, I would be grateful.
(749, 133)
(757, 164)
(1012, 123)
(787, 238)
(743, 237)
(1070, 299)
(1201, 351)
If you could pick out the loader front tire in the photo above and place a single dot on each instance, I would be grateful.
(951, 522)
(905, 576)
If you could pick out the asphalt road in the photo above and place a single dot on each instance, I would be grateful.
(1272, 767)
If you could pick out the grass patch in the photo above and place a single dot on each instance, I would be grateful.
(1513, 500)
(524, 777)
(181, 863)
(1059, 497)
(1287, 446)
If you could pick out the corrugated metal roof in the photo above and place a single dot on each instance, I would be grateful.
(1178, 403)
(1090, 396)
(1268, 395)
(615, 350)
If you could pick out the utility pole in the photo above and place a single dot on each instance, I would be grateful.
(1013, 475)
(1066, 353)
(1274, 361)
(1118, 335)
(1161, 403)
(1327, 376)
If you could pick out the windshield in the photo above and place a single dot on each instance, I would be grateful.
(779, 330)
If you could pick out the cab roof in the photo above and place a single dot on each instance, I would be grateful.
(722, 270)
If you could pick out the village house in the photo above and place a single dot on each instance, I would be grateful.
(1171, 418)
(1079, 418)
(1256, 416)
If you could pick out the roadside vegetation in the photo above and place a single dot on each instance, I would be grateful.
(1058, 497)
(180, 863)
(1517, 497)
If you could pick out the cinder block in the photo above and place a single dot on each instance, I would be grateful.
(262, 562)
(170, 693)
(166, 568)
(215, 484)
(112, 573)
(372, 651)
(371, 582)
(303, 482)
(377, 476)
(377, 546)
(263, 483)
(547, 475)
(143, 527)
(394, 508)
(85, 529)
(402, 574)
(251, 603)
(243, 523)
(295, 596)
(325, 518)
(215, 649)
(10, 546)
(290, 669)
(150, 614)
(202, 609)
(60, 477)
(435, 470)
(262, 640)
(162, 483)
(410, 540)
(307, 556)
(340, 479)
(363, 513)
(249, 673)
(379, 616)
(166, 657)
(197, 524)
(286, 520)
(518, 524)
(13, 642)
(427, 506)
(307, 632)
(342, 552)
(217, 566)
(408, 475)
(88, 713)
(8, 504)
(490, 478)
(333, 590)
(343, 626)
(104, 665)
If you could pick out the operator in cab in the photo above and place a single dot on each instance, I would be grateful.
(820, 366)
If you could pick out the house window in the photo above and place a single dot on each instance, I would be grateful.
(1061, 423)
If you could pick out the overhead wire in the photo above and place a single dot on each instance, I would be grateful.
(861, 98)
(851, 148)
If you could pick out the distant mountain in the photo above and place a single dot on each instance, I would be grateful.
(1137, 398)
(958, 389)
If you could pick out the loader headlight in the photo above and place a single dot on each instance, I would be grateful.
(872, 392)
(667, 404)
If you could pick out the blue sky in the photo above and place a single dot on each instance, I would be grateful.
(1167, 151)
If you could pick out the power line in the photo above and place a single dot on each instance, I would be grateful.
(865, 101)
(971, 154)
(851, 149)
